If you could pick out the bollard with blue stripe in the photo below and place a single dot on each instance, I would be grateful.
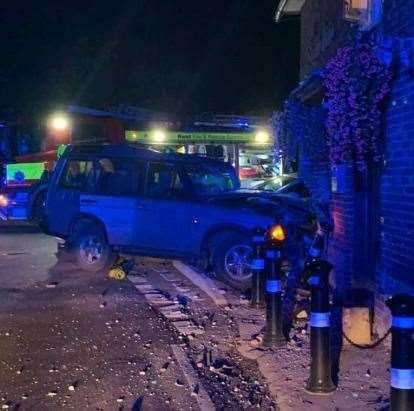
(402, 352)
(274, 336)
(257, 267)
(320, 380)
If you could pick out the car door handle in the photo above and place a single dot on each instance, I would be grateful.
(88, 201)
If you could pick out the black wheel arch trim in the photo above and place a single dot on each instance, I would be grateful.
(222, 228)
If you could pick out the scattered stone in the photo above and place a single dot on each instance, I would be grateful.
(120, 399)
(52, 394)
(195, 391)
(368, 373)
(102, 305)
(179, 383)
(254, 343)
(165, 367)
(52, 284)
(71, 388)
(302, 315)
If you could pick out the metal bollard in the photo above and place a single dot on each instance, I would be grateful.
(320, 380)
(274, 316)
(402, 352)
(257, 266)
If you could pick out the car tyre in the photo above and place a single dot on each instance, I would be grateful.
(91, 249)
(231, 254)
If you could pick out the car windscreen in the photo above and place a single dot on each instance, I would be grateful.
(209, 179)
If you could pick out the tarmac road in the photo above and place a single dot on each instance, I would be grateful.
(75, 340)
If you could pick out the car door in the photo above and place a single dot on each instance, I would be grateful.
(71, 178)
(115, 199)
(164, 219)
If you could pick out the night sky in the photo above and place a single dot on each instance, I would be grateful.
(187, 57)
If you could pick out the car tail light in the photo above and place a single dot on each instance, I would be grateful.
(4, 201)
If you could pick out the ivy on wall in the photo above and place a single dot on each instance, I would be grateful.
(300, 126)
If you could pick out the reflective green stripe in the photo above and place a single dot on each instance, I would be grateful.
(184, 137)
(60, 150)
(20, 172)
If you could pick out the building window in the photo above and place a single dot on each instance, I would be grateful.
(367, 13)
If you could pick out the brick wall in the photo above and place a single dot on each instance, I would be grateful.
(341, 250)
(396, 264)
(323, 30)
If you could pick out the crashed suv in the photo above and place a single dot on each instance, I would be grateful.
(105, 200)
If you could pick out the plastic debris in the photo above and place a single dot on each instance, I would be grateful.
(117, 273)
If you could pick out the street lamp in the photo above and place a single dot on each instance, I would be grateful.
(262, 137)
(159, 136)
(59, 122)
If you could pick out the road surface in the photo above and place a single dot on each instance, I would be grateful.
(76, 340)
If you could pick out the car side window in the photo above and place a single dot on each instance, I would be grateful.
(120, 177)
(78, 175)
(164, 181)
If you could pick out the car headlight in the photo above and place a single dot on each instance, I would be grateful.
(4, 201)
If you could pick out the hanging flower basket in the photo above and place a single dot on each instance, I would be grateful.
(356, 85)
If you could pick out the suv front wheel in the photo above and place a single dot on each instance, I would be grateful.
(231, 256)
(92, 251)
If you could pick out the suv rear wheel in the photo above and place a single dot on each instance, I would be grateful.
(231, 256)
(92, 251)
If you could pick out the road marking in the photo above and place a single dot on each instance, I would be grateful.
(203, 399)
(138, 280)
(144, 287)
(166, 307)
(205, 284)
(170, 277)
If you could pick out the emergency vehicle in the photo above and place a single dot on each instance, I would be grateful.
(23, 182)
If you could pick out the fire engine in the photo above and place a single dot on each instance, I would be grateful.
(23, 182)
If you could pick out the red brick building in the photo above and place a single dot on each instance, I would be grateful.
(373, 241)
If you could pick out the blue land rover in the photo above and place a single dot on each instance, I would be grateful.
(105, 200)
